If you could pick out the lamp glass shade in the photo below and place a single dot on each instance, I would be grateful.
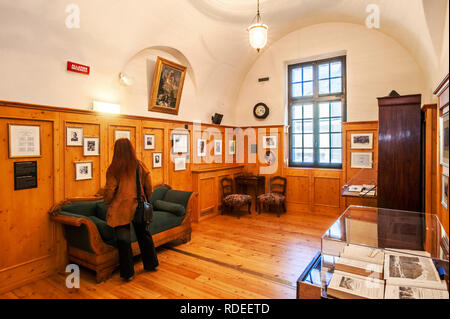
(258, 35)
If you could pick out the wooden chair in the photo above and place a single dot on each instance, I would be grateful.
(232, 200)
(275, 198)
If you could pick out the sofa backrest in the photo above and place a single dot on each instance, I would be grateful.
(85, 208)
(158, 194)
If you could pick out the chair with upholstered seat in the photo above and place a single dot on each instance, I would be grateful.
(231, 200)
(275, 198)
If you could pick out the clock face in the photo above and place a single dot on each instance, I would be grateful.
(261, 111)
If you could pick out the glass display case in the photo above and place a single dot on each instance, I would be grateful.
(362, 184)
(390, 232)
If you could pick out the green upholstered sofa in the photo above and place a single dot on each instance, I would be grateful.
(92, 243)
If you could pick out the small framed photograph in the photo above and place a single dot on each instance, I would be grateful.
(253, 148)
(269, 157)
(24, 140)
(91, 146)
(122, 134)
(361, 141)
(201, 147)
(232, 147)
(269, 142)
(149, 142)
(361, 160)
(74, 136)
(180, 163)
(83, 171)
(180, 143)
(444, 190)
(217, 147)
(444, 140)
(157, 160)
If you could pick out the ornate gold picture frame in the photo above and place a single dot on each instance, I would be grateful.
(168, 80)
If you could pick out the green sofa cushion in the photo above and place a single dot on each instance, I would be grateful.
(87, 208)
(178, 197)
(101, 210)
(163, 221)
(173, 208)
(158, 194)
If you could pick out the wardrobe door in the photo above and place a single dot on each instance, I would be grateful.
(399, 153)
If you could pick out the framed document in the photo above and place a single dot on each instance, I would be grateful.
(217, 147)
(180, 143)
(232, 147)
(74, 136)
(201, 147)
(444, 190)
(180, 163)
(269, 142)
(444, 140)
(24, 140)
(361, 160)
(83, 171)
(122, 134)
(91, 146)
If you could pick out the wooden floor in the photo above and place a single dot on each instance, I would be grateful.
(256, 256)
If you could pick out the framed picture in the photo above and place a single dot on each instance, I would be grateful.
(269, 157)
(24, 140)
(74, 136)
(91, 146)
(217, 147)
(83, 171)
(444, 190)
(444, 140)
(232, 147)
(167, 86)
(269, 142)
(149, 142)
(180, 143)
(201, 147)
(180, 163)
(361, 160)
(157, 160)
(361, 141)
(122, 134)
(253, 148)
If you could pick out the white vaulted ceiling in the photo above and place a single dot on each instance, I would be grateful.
(208, 35)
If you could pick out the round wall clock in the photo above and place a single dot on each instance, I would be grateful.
(261, 110)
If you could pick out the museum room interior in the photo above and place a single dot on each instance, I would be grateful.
(296, 149)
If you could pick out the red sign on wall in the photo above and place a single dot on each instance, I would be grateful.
(79, 68)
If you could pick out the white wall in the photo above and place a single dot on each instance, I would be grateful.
(376, 64)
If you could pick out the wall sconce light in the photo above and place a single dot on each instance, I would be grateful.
(105, 107)
(125, 79)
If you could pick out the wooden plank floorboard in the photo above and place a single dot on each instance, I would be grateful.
(256, 256)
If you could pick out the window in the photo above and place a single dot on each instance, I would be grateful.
(317, 108)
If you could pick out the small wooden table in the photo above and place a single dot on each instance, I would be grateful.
(257, 183)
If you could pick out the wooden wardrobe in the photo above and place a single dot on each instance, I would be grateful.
(400, 171)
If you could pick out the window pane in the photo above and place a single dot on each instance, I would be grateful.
(308, 140)
(324, 86)
(297, 75)
(336, 125)
(307, 88)
(296, 126)
(308, 126)
(308, 73)
(324, 71)
(297, 90)
(297, 111)
(297, 155)
(324, 140)
(335, 69)
(336, 85)
(324, 125)
(308, 156)
(336, 108)
(325, 155)
(336, 140)
(297, 142)
(308, 111)
(336, 156)
(324, 110)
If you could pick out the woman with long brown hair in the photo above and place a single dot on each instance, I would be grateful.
(121, 195)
